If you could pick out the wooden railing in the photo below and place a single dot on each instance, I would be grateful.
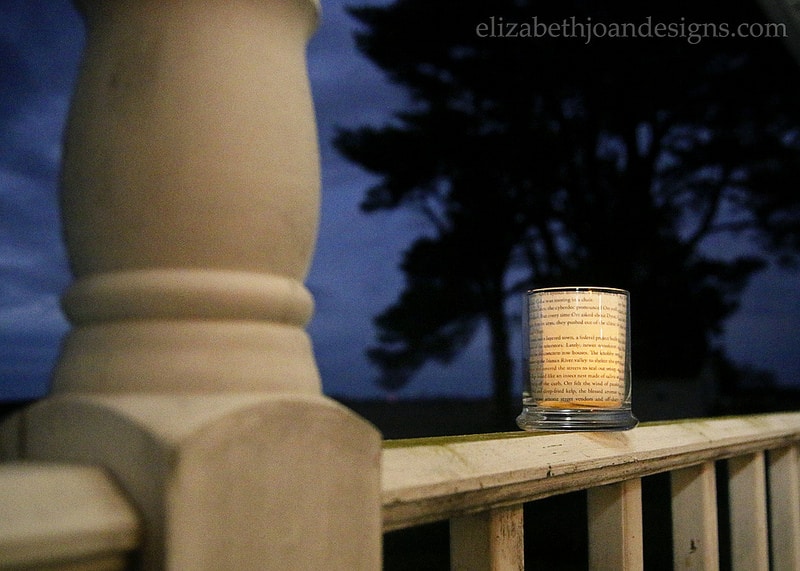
(60, 515)
(480, 484)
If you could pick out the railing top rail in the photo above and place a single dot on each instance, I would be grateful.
(427, 480)
(65, 513)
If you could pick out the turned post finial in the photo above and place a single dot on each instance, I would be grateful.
(190, 198)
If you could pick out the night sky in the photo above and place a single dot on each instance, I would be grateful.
(354, 275)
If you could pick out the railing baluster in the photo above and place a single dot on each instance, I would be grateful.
(784, 493)
(490, 540)
(695, 539)
(748, 508)
(615, 526)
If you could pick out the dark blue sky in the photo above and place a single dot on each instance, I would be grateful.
(354, 275)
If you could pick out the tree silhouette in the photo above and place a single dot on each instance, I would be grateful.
(557, 161)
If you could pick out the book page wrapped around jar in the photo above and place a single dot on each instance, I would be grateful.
(577, 359)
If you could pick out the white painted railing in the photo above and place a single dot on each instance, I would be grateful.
(63, 514)
(480, 484)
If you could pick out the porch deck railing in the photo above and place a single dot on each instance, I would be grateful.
(481, 483)
(65, 515)
(186, 426)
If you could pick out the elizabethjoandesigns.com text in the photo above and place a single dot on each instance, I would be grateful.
(589, 30)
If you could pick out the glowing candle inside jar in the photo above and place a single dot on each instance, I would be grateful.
(579, 355)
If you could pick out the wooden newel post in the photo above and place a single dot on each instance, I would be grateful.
(190, 200)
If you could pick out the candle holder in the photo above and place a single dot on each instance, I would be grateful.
(577, 360)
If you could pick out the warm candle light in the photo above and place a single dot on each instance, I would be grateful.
(578, 360)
